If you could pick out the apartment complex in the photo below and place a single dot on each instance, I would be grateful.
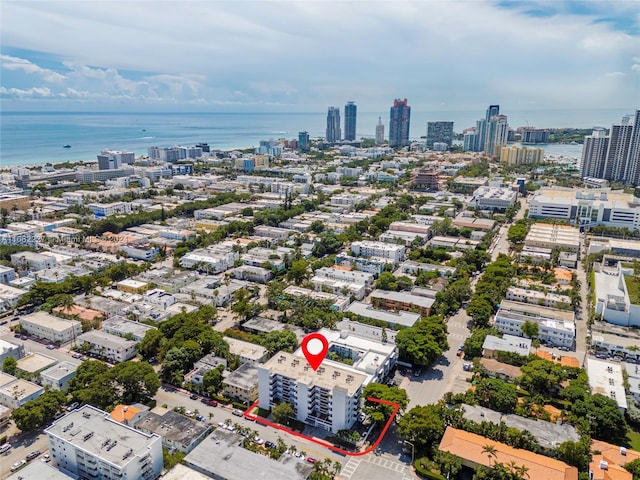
(439, 132)
(399, 123)
(425, 179)
(57, 330)
(89, 443)
(112, 347)
(556, 327)
(368, 249)
(327, 398)
(350, 116)
(516, 155)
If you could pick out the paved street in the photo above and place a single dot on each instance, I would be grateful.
(441, 377)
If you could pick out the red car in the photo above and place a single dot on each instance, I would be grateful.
(311, 460)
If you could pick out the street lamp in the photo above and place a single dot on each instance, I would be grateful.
(412, 450)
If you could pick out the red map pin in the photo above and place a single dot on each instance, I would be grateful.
(315, 347)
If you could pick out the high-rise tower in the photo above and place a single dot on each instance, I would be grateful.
(399, 119)
(379, 132)
(350, 113)
(615, 164)
(439, 132)
(333, 125)
(594, 154)
(497, 133)
(632, 172)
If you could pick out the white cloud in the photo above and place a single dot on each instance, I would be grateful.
(15, 63)
(635, 67)
(308, 55)
(38, 92)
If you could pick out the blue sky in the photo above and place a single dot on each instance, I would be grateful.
(305, 55)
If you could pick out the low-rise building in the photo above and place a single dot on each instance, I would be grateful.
(508, 343)
(345, 282)
(613, 300)
(15, 392)
(59, 376)
(471, 448)
(401, 301)
(556, 327)
(536, 297)
(410, 267)
(8, 349)
(32, 261)
(122, 327)
(368, 249)
(90, 444)
(57, 330)
(399, 318)
(7, 274)
(242, 384)
(30, 366)
(109, 209)
(178, 432)
(160, 298)
(367, 265)
(496, 199)
(202, 366)
(605, 378)
(338, 302)
(248, 352)
(252, 274)
(132, 286)
(112, 347)
(547, 236)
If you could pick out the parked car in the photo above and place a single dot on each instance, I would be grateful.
(210, 402)
(237, 412)
(311, 460)
(269, 444)
(76, 355)
(32, 455)
(73, 406)
(51, 347)
(258, 440)
(18, 465)
(5, 448)
(46, 458)
(4, 322)
(200, 417)
(194, 396)
(467, 367)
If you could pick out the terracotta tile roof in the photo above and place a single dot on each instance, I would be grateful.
(612, 453)
(82, 312)
(499, 367)
(612, 471)
(562, 274)
(569, 361)
(544, 355)
(124, 413)
(468, 446)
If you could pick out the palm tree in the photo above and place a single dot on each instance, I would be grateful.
(491, 451)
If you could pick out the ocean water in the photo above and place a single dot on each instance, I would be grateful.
(28, 138)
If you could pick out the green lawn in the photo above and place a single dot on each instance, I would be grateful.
(634, 440)
(633, 287)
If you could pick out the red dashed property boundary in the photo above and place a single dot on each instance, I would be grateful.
(322, 443)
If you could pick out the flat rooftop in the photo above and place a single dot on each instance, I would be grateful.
(544, 313)
(173, 426)
(406, 319)
(548, 434)
(89, 428)
(121, 324)
(44, 320)
(61, 370)
(219, 456)
(328, 376)
(35, 362)
(606, 379)
(245, 349)
(423, 302)
(19, 389)
(244, 377)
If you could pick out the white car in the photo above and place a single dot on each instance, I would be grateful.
(258, 440)
(17, 465)
(46, 458)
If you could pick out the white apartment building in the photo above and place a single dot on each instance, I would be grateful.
(342, 282)
(368, 249)
(276, 233)
(547, 236)
(90, 444)
(15, 392)
(7, 274)
(54, 329)
(328, 398)
(347, 200)
(606, 379)
(159, 298)
(58, 376)
(494, 198)
(339, 302)
(587, 209)
(516, 155)
(210, 260)
(121, 326)
(248, 352)
(108, 209)
(252, 274)
(555, 327)
(9, 296)
(536, 297)
(410, 267)
(33, 261)
(112, 347)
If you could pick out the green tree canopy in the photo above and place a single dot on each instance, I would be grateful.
(424, 342)
(282, 412)
(379, 412)
(9, 365)
(423, 426)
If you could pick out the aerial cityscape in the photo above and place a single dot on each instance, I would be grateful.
(320, 240)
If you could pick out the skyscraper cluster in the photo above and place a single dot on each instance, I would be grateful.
(614, 156)
(490, 134)
(439, 132)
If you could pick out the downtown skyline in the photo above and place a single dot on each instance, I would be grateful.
(270, 56)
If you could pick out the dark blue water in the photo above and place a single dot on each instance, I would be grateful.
(30, 138)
